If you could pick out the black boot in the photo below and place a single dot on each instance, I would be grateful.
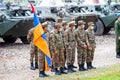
(36, 65)
(92, 67)
(41, 74)
(57, 72)
(69, 69)
(62, 71)
(45, 74)
(81, 68)
(88, 65)
(65, 68)
(73, 66)
(32, 67)
(52, 69)
(118, 55)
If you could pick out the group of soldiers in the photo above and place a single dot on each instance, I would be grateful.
(62, 41)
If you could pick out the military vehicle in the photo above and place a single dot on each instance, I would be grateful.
(107, 15)
(98, 11)
(105, 11)
(51, 10)
(15, 21)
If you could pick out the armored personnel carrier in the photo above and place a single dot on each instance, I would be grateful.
(15, 21)
(106, 12)
(51, 10)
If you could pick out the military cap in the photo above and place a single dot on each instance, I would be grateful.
(57, 25)
(45, 24)
(118, 15)
(59, 20)
(64, 23)
(90, 23)
(72, 19)
(81, 22)
(71, 23)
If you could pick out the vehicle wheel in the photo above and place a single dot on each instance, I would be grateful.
(99, 28)
(24, 40)
(107, 30)
(9, 39)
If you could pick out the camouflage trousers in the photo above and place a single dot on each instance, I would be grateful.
(41, 61)
(65, 59)
(33, 53)
(58, 58)
(90, 55)
(82, 54)
(70, 56)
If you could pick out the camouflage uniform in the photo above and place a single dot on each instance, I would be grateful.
(64, 23)
(81, 41)
(58, 58)
(58, 48)
(34, 49)
(42, 55)
(70, 47)
(92, 45)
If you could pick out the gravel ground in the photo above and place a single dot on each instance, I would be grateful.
(14, 58)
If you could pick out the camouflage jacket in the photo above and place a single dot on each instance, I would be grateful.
(91, 38)
(81, 37)
(47, 34)
(30, 35)
(70, 38)
(63, 32)
(56, 40)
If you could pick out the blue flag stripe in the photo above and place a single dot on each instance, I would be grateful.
(48, 60)
(36, 20)
(44, 37)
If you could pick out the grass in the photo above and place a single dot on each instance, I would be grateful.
(105, 73)
(111, 76)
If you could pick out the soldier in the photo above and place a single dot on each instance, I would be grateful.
(70, 46)
(92, 45)
(41, 54)
(33, 51)
(81, 39)
(60, 20)
(64, 25)
(117, 32)
(58, 48)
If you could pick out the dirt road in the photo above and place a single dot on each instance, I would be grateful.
(14, 58)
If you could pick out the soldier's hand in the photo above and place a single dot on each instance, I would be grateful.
(90, 48)
(63, 49)
(51, 60)
(118, 38)
(56, 52)
(85, 46)
(94, 46)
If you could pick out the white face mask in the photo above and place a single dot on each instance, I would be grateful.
(92, 28)
(74, 28)
(83, 26)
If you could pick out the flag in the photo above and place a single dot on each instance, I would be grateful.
(40, 40)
